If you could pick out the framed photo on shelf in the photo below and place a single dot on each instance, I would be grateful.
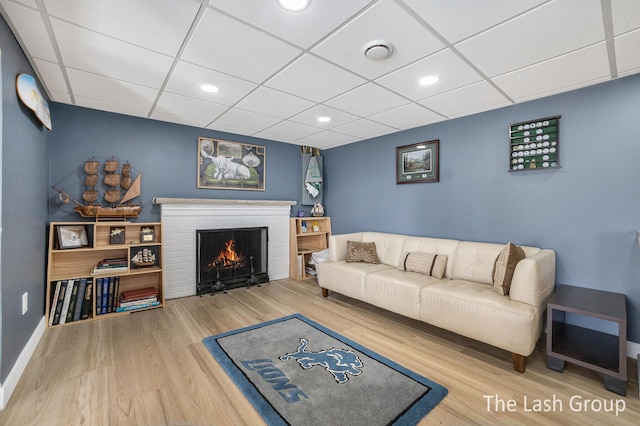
(72, 236)
(231, 165)
(418, 162)
(147, 234)
(116, 235)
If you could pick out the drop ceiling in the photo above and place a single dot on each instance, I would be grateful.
(279, 71)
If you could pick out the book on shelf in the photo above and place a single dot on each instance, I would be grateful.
(77, 310)
(72, 301)
(108, 270)
(60, 302)
(98, 282)
(88, 302)
(134, 307)
(116, 293)
(112, 286)
(66, 302)
(54, 302)
(137, 294)
(105, 295)
(138, 302)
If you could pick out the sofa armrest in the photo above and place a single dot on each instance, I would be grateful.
(534, 279)
(338, 244)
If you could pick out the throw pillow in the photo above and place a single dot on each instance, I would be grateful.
(505, 266)
(361, 252)
(424, 263)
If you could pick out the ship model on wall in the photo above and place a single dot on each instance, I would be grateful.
(121, 189)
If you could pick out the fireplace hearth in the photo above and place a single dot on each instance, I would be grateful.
(231, 258)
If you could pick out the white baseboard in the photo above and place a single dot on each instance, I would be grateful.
(10, 384)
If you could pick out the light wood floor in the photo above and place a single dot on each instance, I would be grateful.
(150, 368)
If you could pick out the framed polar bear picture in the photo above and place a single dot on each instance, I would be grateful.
(231, 165)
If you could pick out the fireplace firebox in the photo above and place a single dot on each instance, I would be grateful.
(230, 258)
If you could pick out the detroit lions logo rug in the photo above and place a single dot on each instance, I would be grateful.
(297, 372)
(338, 362)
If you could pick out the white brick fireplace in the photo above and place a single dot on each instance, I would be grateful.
(181, 217)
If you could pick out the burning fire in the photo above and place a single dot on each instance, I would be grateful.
(228, 256)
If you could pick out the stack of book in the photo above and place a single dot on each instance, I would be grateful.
(106, 294)
(110, 266)
(131, 300)
(71, 301)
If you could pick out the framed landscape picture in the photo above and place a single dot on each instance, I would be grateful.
(418, 162)
(231, 165)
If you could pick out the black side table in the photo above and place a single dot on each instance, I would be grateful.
(598, 351)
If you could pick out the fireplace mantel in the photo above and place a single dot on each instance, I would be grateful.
(182, 217)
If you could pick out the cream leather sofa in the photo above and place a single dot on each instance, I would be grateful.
(463, 301)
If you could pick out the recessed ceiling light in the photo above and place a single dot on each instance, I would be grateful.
(324, 119)
(430, 79)
(209, 88)
(294, 5)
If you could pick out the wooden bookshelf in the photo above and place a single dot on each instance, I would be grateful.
(75, 248)
(307, 235)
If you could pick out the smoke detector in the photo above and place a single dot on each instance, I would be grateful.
(378, 49)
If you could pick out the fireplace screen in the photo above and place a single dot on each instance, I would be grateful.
(232, 257)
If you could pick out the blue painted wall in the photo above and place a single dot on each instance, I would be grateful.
(25, 168)
(587, 211)
(165, 153)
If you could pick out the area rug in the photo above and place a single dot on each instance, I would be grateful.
(297, 372)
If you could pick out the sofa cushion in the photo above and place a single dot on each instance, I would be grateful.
(505, 266)
(433, 245)
(361, 252)
(424, 263)
(396, 290)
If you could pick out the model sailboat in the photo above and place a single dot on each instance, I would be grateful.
(118, 205)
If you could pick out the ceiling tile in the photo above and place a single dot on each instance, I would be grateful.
(310, 117)
(628, 53)
(30, 3)
(367, 100)
(346, 46)
(301, 28)
(364, 128)
(452, 71)
(273, 102)
(275, 137)
(315, 79)
(61, 97)
(246, 119)
(458, 19)
(625, 15)
(292, 130)
(52, 75)
(552, 30)
(326, 139)
(111, 107)
(170, 103)
(36, 40)
(92, 52)
(160, 25)
(187, 121)
(187, 78)
(567, 72)
(232, 47)
(406, 117)
(230, 129)
(111, 91)
(474, 98)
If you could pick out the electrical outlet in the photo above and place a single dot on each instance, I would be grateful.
(25, 303)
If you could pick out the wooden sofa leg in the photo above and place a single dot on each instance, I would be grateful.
(519, 362)
(325, 292)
